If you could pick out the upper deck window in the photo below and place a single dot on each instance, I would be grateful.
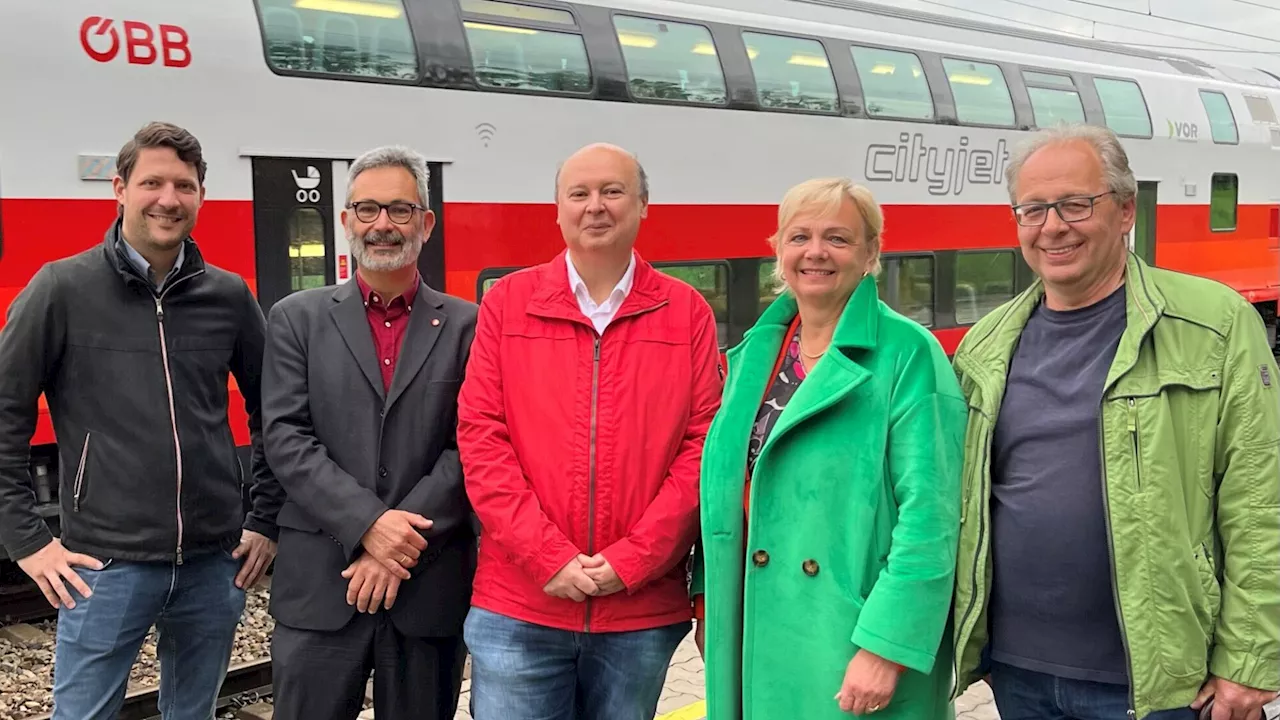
(525, 56)
(670, 61)
(893, 83)
(1222, 122)
(1053, 98)
(368, 38)
(981, 93)
(1124, 107)
(1261, 109)
(791, 73)
(519, 12)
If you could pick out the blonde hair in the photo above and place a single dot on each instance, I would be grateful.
(826, 196)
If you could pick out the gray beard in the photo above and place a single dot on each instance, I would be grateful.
(407, 255)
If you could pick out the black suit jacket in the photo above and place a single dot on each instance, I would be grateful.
(346, 451)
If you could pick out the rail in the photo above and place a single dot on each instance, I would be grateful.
(23, 602)
(141, 704)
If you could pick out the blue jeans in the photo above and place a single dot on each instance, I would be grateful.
(1026, 695)
(521, 671)
(195, 606)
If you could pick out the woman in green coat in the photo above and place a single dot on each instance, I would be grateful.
(830, 490)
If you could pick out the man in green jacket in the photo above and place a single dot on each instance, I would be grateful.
(1119, 549)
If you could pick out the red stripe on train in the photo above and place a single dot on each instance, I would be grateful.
(486, 235)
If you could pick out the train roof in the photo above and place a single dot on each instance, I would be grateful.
(858, 19)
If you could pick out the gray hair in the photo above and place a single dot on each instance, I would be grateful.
(393, 156)
(642, 175)
(1115, 161)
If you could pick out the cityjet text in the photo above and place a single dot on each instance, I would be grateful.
(946, 170)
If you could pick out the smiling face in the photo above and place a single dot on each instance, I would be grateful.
(381, 244)
(1073, 258)
(599, 204)
(160, 200)
(823, 253)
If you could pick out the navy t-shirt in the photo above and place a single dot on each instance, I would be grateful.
(1052, 605)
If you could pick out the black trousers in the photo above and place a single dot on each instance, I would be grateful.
(322, 675)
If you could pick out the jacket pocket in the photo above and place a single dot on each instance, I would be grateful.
(1170, 419)
(1132, 425)
(1212, 602)
(78, 486)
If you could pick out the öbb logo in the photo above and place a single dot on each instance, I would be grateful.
(101, 40)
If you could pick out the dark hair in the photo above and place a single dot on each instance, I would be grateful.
(161, 135)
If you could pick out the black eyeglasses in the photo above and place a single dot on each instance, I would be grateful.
(1070, 210)
(399, 212)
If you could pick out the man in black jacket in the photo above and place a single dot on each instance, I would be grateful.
(131, 343)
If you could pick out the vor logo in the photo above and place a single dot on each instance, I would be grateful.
(102, 39)
(1183, 130)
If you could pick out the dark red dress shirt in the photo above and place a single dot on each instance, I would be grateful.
(388, 322)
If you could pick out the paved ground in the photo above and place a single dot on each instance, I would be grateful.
(682, 698)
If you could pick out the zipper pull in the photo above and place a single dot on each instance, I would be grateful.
(179, 554)
(159, 311)
(1133, 416)
(597, 349)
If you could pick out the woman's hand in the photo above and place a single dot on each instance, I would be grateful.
(869, 683)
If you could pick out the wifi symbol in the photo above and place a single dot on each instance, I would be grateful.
(486, 132)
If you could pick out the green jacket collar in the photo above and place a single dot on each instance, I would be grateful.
(986, 355)
(859, 322)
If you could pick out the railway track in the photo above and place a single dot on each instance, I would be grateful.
(23, 602)
(141, 704)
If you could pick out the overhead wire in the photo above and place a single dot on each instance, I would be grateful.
(1095, 23)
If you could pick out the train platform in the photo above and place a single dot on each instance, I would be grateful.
(683, 696)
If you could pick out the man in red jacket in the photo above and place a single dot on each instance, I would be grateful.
(591, 384)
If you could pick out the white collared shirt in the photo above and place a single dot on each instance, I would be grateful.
(600, 315)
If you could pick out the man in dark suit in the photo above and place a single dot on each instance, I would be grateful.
(377, 550)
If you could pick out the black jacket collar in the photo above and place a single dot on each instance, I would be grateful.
(113, 247)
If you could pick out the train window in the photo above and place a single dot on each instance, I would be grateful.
(893, 83)
(489, 277)
(670, 61)
(791, 73)
(1222, 122)
(1053, 98)
(1261, 109)
(984, 281)
(522, 58)
(307, 260)
(1048, 79)
(514, 11)
(767, 285)
(711, 280)
(981, 93)
(1124, 107)
(906, 284)
(368, 38)
(1223, 196)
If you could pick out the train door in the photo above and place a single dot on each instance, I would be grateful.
(295, 220)
(1143, 241)
(297, 217)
